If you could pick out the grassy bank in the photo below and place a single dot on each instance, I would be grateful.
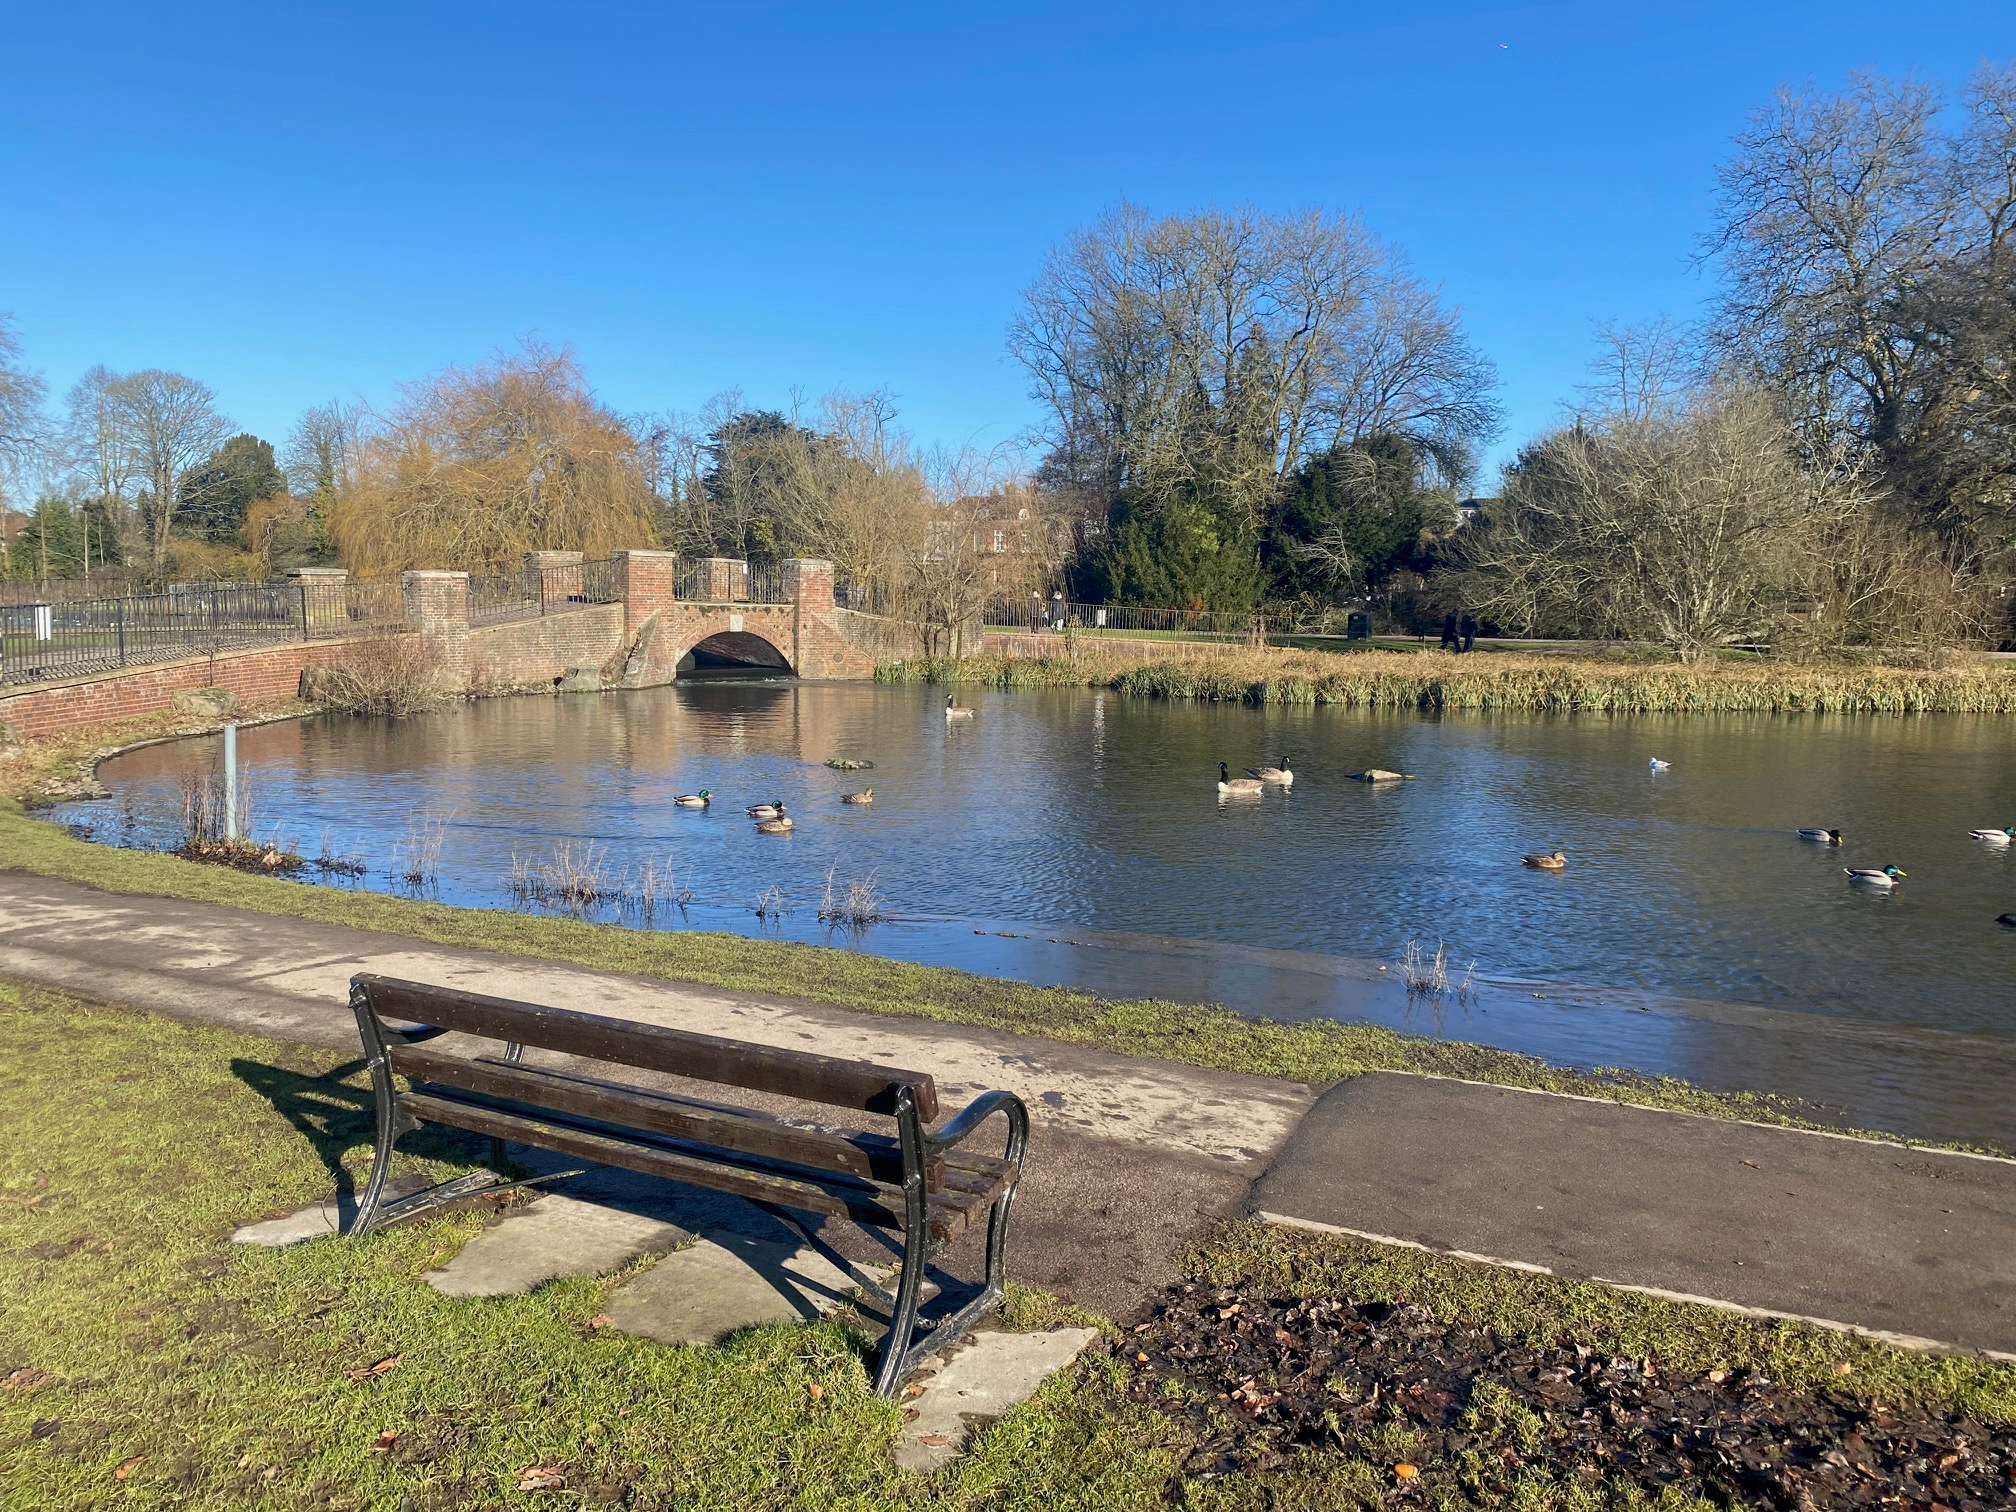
(1508, 682)
(147, 1362)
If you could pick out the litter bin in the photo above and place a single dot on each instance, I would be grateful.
(1358, 625)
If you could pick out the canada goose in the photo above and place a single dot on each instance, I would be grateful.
(774, 809)
(1279, 774)
(694, 800)
(1993, 836)
(1555, 861)
(1824, 836)
(1380, 774)
(1240, 786)
(1659, 766)
(1873, 876)
(781, 825)
(866, 795)
(2007, 921)
(953, 712)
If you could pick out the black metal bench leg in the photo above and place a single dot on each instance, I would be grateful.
(916, 1249)
(386, 1097)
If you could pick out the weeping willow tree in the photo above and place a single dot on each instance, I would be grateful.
(476, 466)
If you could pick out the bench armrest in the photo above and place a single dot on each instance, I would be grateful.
(968, 1119)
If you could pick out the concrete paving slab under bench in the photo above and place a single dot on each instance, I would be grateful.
(970, 1386)
(1908, 1244)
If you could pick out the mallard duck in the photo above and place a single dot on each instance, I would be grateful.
(774, 809)
(1874, 876)
(781, 825)
(848, 764)
(1380, 774)
(866, 795)
(1240, 786)
(1993, 836)
(953, 712)
(1279, 775)
(1824, 836)
(694, 800)
(1659, 766)
(1554, 861)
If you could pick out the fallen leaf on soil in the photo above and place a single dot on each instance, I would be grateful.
(1141, 1359)
(1405, 1472)
(542, 1477)
(911, 1414)
(818, 1392)
(600, 1320)
(27, 1378)
(1842, 1367)
(127, 1467)
(935, 1440)
(390, 1362)
(43, 1428)
(385, 1441)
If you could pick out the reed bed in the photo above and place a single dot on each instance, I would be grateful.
(1494, 682)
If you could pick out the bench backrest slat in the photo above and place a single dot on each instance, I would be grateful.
(861, 1085)
(725, 1129)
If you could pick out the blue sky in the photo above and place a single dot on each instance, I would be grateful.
(296, 205)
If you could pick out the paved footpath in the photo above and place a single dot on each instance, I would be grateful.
(1133, 1157)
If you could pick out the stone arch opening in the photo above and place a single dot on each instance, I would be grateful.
(735, 652)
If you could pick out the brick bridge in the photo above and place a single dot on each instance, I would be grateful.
(637, 637)
(642, 638)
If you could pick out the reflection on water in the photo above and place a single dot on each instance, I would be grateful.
(1083, 831)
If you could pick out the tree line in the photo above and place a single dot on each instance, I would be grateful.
(1242, 411)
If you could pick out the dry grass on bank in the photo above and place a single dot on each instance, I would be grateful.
(1500, 682)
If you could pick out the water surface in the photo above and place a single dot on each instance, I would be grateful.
(1077, 836)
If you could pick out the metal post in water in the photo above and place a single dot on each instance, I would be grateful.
(230, 782)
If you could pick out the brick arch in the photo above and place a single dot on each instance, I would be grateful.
(745, 645)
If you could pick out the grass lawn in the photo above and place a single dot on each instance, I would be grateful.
(146, 1362)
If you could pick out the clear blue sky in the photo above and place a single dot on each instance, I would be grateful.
(297, 203)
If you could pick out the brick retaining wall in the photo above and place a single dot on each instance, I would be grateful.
(519, 653)
(256, 676)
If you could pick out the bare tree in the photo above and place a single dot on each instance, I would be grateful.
(1690, 527)
(1211, 353)
(1867, 257)
(97, 446)
(166, 424)
(1639, 370)
(22, 426)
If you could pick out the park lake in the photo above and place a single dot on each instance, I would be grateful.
(1077, 836)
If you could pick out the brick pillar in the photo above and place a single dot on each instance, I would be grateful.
(437, 610)
(808, 582)
(324, 598)
(720, 579)
(644, 583)
(553, 576)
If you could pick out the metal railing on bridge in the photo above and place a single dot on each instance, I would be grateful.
(49, 640)
(530, 592)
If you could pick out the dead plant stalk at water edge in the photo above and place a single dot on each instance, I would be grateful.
(1500, 682)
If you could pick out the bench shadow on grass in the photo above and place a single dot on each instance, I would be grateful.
(334, 1117)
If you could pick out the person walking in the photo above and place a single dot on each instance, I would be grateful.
(1469, 632)
(1449, 630)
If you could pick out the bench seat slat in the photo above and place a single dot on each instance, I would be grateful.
(876, 1203)
(651, 1047)
(866, 1156)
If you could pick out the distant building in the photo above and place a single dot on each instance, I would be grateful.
(1467, 510)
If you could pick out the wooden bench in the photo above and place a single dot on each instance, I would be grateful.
(919, 1181)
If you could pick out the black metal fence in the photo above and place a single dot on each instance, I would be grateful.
(527, 594)
(766, 585)
(40, 641)
(1052, 614)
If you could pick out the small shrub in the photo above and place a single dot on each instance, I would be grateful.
(385, 676)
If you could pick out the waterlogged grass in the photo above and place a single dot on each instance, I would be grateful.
(1506, 682)
(150, 1363)
(1194, 1034)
